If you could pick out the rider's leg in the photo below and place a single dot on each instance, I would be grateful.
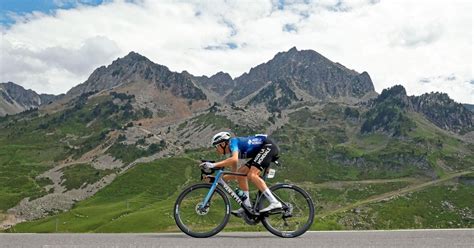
(227, 178)
(262, 160)
(254, 177)
(243, 184)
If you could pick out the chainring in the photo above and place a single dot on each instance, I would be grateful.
(249, 220)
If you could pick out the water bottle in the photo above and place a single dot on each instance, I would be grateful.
(241, 194)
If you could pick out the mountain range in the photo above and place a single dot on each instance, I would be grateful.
(15, 99)
(131, 118)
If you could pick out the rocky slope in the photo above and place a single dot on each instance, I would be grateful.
(15, 99)
(389, 112)
(168, 95)
(444, 112)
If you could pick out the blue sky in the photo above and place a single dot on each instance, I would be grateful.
(22, 7)
(423, 45)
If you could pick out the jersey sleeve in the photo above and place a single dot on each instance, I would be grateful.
(234, 145)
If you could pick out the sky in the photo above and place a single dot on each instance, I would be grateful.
(425, 45)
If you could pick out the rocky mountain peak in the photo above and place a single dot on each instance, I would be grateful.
(137, 68)
(292, 50)
(389, 108)
(444, 111)
(223, 76)
(396, 95)
(310, 71)
(15, 99)
(220, 82)
(132, 59)
(133, 56)
(300, 56)
(388, 113)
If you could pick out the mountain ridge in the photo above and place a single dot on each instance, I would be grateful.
(389, 112)
(312, 72)
(135, 67)
(15, 99)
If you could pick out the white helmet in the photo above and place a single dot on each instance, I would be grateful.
(220, 137)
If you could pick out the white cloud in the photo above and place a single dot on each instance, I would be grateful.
(397, 42)
(54, 68)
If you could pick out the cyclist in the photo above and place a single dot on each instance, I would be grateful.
(260, 149)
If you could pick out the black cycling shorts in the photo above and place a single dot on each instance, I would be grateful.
(267, 154)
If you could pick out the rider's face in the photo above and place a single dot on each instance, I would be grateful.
(220, 148)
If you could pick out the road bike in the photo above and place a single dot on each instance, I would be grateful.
(203, 210)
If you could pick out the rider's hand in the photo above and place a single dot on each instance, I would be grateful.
(207, 165)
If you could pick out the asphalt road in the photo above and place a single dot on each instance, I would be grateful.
(346, 239)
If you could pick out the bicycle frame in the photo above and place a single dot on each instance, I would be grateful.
(219, 181)
(251, 215)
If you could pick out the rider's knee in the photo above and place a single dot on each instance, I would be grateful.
(252, 176)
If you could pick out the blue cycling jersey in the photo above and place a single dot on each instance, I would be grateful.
(247, 146)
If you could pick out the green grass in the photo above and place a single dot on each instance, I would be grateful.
(44, 181)
(441, 206)
(137, 190)
(142, 199)
(321, 146)
(128, 153)
(313, 155)
(81, 174)
(327, 198)
(13, 190)
(33, 142)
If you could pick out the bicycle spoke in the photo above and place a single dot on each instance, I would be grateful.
(197, 221)
(297, 214)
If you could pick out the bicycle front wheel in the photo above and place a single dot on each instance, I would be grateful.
(296, 216)
(197, 220)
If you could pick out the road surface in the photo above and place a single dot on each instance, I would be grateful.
(346, 239)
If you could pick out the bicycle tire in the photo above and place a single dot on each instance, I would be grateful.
(184, 228)
(266, 221)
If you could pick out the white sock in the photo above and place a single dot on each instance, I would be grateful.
(270, 196)
(247, 201)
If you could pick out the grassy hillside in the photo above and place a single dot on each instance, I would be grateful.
(447, 205)
(33, 142)
(142, 199)
(323, 150)
(142, 188)
(326, 144)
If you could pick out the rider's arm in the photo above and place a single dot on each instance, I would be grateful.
(233, 160)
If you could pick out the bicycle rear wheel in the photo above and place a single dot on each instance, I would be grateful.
(200, 222)
(297, 215)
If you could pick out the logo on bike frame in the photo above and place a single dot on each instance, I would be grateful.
(232, 193)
